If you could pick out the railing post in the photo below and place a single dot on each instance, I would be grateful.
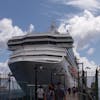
(51, 77)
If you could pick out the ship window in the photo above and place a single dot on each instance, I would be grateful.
(39, 42)
(37, 55)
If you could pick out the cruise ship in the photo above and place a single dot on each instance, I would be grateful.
(43, 58)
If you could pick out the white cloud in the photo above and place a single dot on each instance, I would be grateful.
(4, 67)
(86, 63)
(84, 29)
(83, 4)
(90, 51)
(7, 30)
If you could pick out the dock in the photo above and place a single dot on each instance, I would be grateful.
(72, 97)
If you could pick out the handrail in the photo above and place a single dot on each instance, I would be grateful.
(86, 94)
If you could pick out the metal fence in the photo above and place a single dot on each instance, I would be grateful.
(92, 92)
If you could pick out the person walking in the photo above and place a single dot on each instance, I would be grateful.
(50, 94)
(74, 91)
(40, 93)
(60, 93)
(69, 91)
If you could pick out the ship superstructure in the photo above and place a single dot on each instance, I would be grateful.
(51, 53)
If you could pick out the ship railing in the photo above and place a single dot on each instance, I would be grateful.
(85, 96)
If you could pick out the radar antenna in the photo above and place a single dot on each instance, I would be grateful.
(53, 28)
(30, 29)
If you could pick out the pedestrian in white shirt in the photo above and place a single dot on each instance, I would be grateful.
(40, 93)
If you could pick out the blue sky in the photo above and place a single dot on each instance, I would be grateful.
(81, 17)
(38, 12)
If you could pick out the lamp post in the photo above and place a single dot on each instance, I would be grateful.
(52, 71)
(51, 77)
(82, 84)
(9, 81)
(35, 74)
(87, 68)
(36, 68)
(82, 75)
(96, 83)
(79, 75)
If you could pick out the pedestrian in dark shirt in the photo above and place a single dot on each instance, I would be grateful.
(69, 91)
(60, 93)
(74, 91)
(50, 94)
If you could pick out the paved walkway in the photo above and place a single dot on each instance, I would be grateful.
(72, 97)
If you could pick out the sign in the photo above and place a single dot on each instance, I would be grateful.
(74, 72)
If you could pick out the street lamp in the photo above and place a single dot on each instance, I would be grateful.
(36, 68)
(35, 75)
(96, 83)
(52, 72)
(87, 68)
(9, 81)
(51, 76)
(82, 74)
(82, 84)
(79, 73)
(39, 67)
